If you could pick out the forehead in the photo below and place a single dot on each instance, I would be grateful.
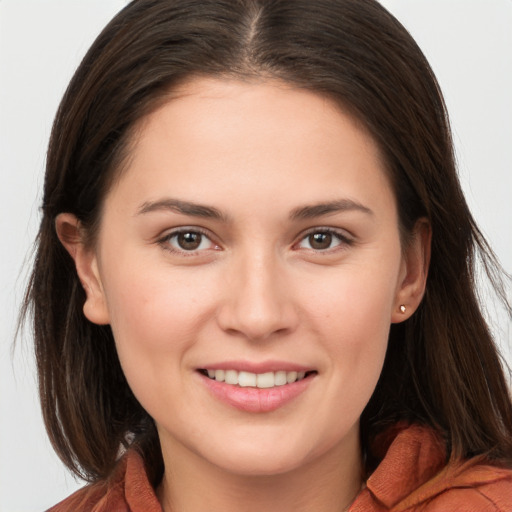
(258, 138)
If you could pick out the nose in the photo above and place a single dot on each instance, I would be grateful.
(258, 301)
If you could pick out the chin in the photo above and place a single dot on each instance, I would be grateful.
(257, 463)
(264, 455)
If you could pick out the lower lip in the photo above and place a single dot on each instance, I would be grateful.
(250, 399)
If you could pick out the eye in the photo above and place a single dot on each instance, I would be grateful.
(187, 240)
(323, 240)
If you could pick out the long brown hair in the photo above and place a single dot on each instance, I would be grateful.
(442, 367)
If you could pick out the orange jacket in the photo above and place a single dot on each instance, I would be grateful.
(412, 477)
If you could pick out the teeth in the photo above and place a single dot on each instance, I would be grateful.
(231, 377)
(265, 380)
(258, 380)
(246, 379)
(280, 378)
(291, 377)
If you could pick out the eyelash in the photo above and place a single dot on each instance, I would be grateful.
(343, 239)
(166, 239)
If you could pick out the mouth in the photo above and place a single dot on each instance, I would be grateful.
(257, 387)
(267, 380)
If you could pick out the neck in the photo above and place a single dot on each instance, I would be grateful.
(328, 483)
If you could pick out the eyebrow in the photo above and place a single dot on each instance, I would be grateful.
(183, 207)
(210, 212)
(320, 209)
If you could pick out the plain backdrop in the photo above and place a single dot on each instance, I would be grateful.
(468, 43)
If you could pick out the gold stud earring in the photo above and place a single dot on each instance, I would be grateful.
(403, 309)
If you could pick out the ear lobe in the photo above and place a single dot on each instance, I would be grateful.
(71, 236)
(413, 276)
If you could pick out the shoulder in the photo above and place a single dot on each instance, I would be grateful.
(413, 476)
(126, 490)
(83, 500)
(471, 486)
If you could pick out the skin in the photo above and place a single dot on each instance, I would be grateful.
(256, 289)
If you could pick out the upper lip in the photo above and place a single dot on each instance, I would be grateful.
(257, 367)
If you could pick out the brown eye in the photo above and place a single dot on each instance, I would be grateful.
(320, 241)
(324, 240)
(189, 241)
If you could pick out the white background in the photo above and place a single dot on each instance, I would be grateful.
(468, 42)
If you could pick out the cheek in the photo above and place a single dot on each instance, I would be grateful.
(356, 302)
(357, 340)
(154, 301)
(352, 318)
(155, 318)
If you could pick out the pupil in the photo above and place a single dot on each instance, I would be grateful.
(320, 240)
(189, 241)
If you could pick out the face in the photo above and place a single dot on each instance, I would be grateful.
(250, 265)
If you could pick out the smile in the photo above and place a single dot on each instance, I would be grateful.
(257, 380)
(257, 391)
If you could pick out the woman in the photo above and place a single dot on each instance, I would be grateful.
(254, 279)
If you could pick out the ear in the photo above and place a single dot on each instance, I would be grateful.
(413, 272)
(71, 235)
